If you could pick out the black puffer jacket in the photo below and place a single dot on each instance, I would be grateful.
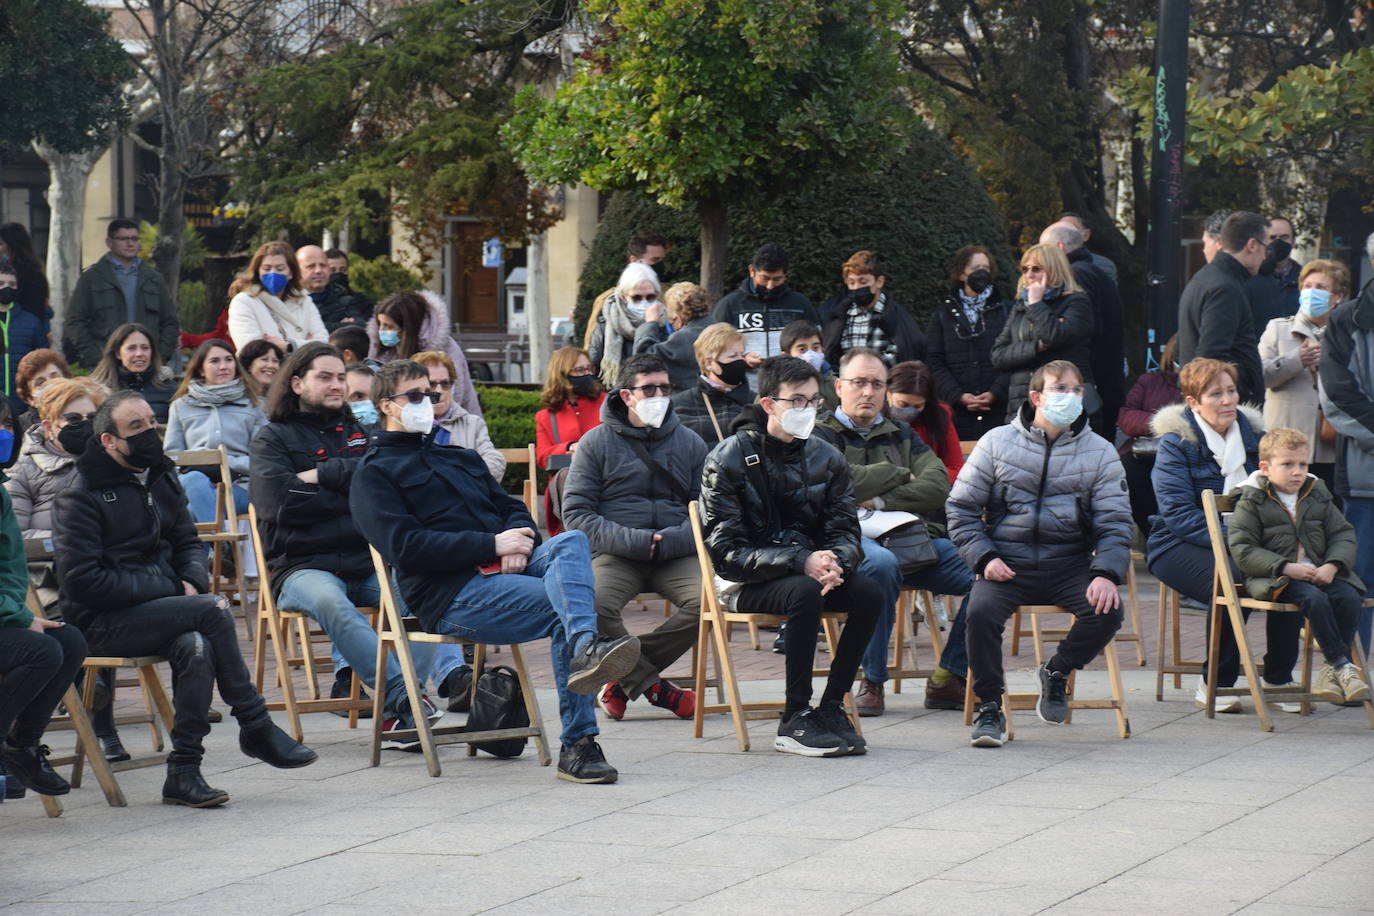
(809, 499)
(1064, 324)
(691, 409)
(340, 305)
(118, 543)
(308, 525)
(961, 359)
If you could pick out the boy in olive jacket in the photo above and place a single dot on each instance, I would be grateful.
(1294, 545)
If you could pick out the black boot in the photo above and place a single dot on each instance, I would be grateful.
(29, 767)
(274, 747)
(13, 789)
(113, 748)
(185, 786)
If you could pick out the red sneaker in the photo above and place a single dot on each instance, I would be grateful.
(681, 703)
(613, 700)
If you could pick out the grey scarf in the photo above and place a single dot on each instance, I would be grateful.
(217, 395)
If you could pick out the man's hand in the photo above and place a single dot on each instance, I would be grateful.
(39, 625)
(189, 588)
(753, 359)
(1102, 594)
(824, 567)
(654, 543)
(310, 476)
(515, 542)
(1300, 572)
(1325, 574)
(514, 564)
(997, 571)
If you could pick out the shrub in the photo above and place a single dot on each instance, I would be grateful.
(509, 413)
(380, 277)
(192, 308)
(915, 214)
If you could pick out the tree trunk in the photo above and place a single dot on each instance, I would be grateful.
(67, 173)
(537, 307)
(714, 236)
(171, 213)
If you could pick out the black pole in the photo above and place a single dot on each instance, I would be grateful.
(1166, 174)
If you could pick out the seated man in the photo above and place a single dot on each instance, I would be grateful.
(131, 575)
(303, 465)
(781, 526)
(627, 491)
(358, 395)
(892, 470)
(1040, 512)
(468, 561)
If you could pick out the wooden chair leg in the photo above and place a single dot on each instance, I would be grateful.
(1016, 633)
(379, 699)
(699, 672)
(1123, 722)
(1358, 657)
(1176, 635)
(1161, 655)
(541, 744)
(731, 685)
(85, 738)
(82, 748)
(1037, 638)
(308, 657)
(753, 636)
(899, 639)
(968, 697)
(288, 687)
(937, 642)
(1247, 664)
(1133, 606)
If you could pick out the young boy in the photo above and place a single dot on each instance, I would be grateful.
(802, 339)
(1294, 545)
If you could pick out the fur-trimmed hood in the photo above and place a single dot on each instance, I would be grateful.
(434, 333)
(1174, 418)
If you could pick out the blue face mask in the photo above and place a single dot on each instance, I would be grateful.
(1314, 303)
(274, 283)
(365, 412)
(7, 450)
(389, 338)
(1061, 409)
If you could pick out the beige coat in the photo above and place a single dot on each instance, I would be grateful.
(256, 313)
(1292, 399)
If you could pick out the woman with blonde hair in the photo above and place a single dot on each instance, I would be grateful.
(670, 338)
(269, 303)
(570, 405)
(1051, 319)
(721, 390)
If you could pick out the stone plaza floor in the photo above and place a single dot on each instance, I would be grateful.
(1187, 816)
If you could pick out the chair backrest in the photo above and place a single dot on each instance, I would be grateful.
(967, 445)
(1223, 583)
(226, 517)
(525, 455)
(264, 577)
(36, 550)
(710, 599)
(389, 616)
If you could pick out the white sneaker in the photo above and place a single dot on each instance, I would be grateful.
(1222, 704)
(1285, 705)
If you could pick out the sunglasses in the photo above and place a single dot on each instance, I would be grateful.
(637, 298)
(1027, 268)
(70, 418)
(415, 397)
(649, 391)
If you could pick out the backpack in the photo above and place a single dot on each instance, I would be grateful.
(499, 703)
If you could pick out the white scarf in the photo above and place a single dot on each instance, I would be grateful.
(1229, 453)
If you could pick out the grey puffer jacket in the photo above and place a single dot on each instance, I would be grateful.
(1035, 503)
(40, 474)
(194, 424)
(618, 502)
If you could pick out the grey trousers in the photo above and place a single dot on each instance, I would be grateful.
(618, 580)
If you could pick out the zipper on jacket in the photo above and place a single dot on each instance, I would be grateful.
(1040, 501)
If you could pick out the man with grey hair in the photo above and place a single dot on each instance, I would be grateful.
(1108, 341)
(1106, 265)
(1346, 377)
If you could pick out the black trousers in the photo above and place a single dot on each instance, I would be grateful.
(1187, 569)
(196, 635)
(1142, 491)
(1333, 610)
(799, 599)
(35, 671)
(991, 604)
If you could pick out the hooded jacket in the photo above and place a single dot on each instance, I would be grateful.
(435, 334)
(892, 466)
(1034, 503)
(1184, 467)
(761, 321)
(755, 535)
(1214, 321)
(255, 313)
(960, 358)
(118, 542)
(1346, 375)
(617, 501)
(1064, 324)
(1263, 537)
(691, 411)
(41, 473)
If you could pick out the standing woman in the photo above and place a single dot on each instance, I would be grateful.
(16, 252)
(35, 370)
(21, 332)
(214, 406)
(570, 405)
(269, 303)
(259, 360)
(911, 399)
(1150, 392)
(415, 321)
(622, 312)
(960, 340)
(131, 361)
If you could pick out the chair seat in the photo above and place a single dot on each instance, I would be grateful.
(118, 661)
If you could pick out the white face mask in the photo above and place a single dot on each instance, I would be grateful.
(636, 310)
(418, 418)
(652, 411)
(798, 421)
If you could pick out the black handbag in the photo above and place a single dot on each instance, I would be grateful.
(910, 544)
(499, 703)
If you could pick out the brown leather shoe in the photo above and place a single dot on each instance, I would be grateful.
(950, 696)
(869, 699)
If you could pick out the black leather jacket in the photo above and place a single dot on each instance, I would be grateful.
(809, 505)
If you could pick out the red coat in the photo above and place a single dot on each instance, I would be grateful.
(220, 332)
(950, 453)
(573, 422)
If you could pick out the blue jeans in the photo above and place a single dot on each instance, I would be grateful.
(201, 496)
(949, 576)
(333, 603)
(554, 597)
(1360, 512)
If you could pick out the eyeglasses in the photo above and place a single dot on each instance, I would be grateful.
(1031, 268)
(865, 384)
(70, 418)
(634, 297)
(649, 391)
(416, 396)
(441, 385)
(800, 403)
(1065, 389)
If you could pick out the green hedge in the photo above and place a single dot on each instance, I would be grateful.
(915, 214)
(509, 413)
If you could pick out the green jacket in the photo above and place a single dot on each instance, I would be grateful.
(14, 570)
(891, 462)
(1263, 536)
(97, 308)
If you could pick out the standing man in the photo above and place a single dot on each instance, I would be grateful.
(863, 316)
(1104, 264)
(118, 289)
(1274, 290)
(338, 304)
(1211, 234)
(764, 304)
(1214, 311)
(631, 480)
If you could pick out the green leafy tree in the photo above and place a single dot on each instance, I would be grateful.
(706, 102)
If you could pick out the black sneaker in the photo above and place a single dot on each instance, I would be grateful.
(806, 734)
(14, 789)
(583, 761)
(29, 767)
(990, 727)
(343, 689)
(836, 721)
(457, 689)
(113, 749)
(603, 660)
(1053, 705)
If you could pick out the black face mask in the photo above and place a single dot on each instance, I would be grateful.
(660, 269)
(584, 386)
(768, 295)
(733, 373)
(9, 295)
(145, 449)
(862, 297)
(1275, 254)
(979, 280)
(75, 437)
(339, 278)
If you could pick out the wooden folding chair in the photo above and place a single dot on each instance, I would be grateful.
(1012, 701)
(1227, 595)
(713, 633)
(1041, 634)
(913, 606)
(396, 633)
(530, 489)
(224, 529)
(274, 628)
(1169, 645)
